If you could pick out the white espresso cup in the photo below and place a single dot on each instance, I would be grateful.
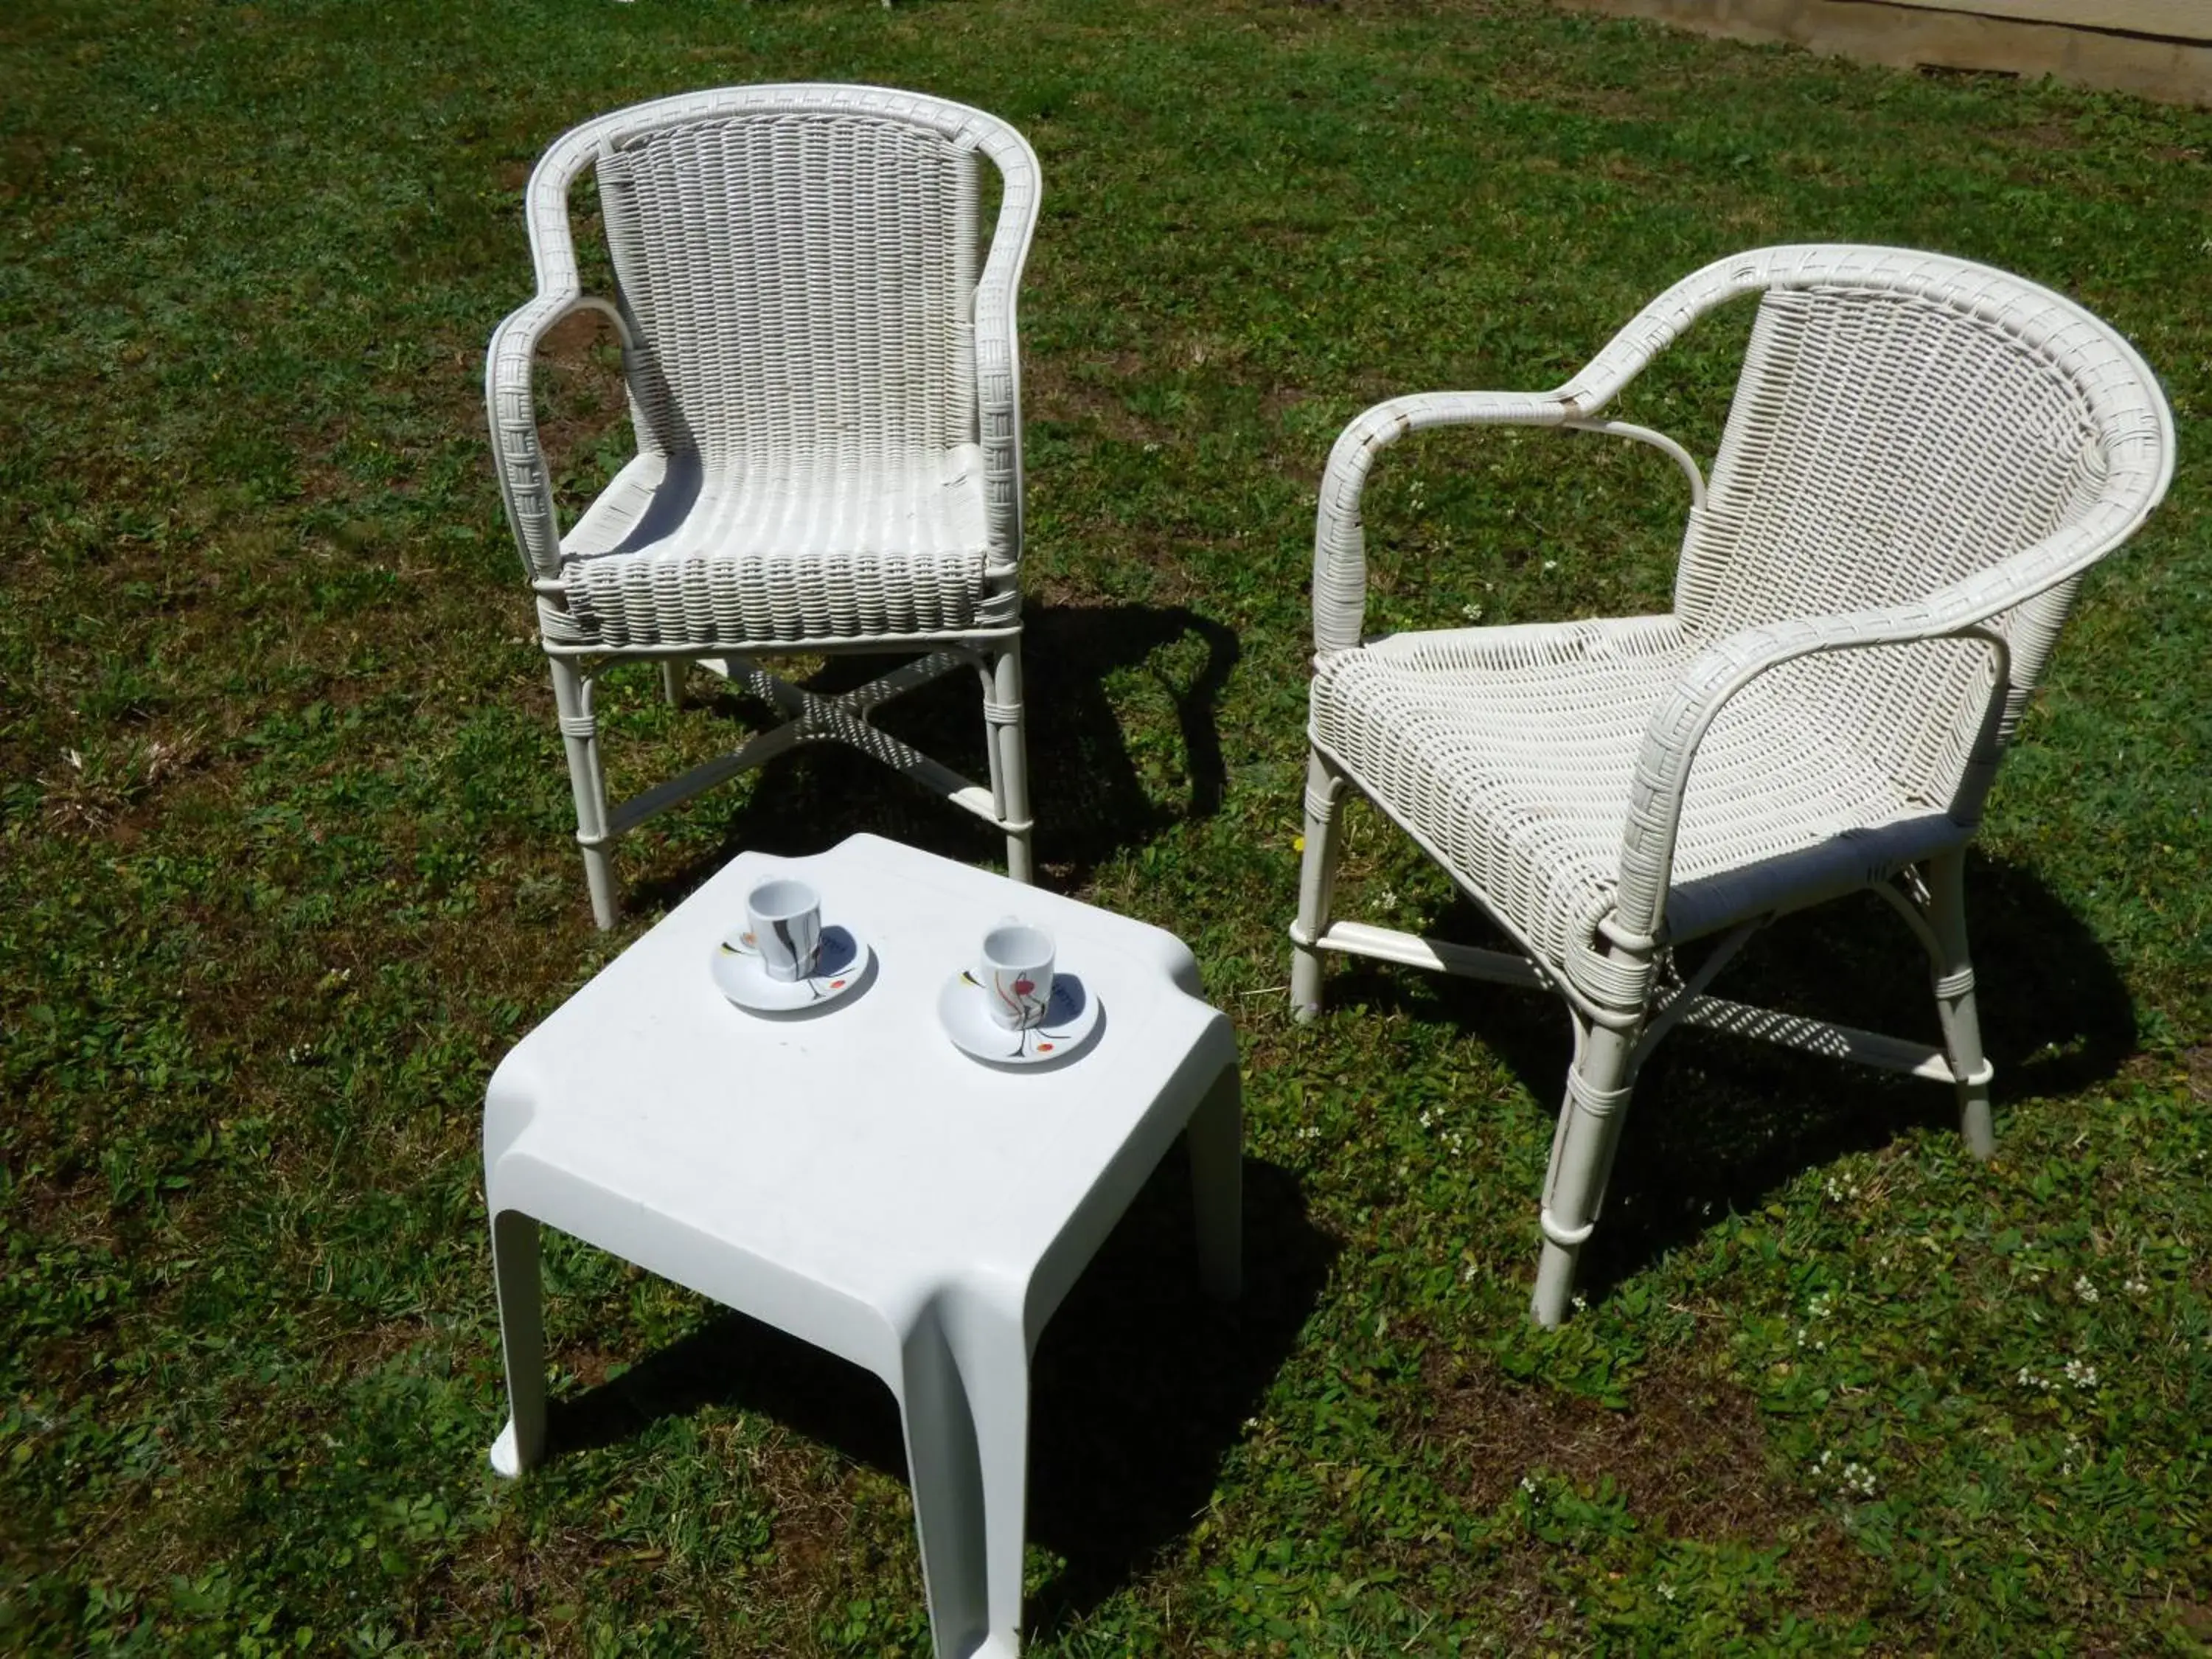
(1015, 972)
(785, 919)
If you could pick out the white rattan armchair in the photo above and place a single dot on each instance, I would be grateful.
(1922, 456)
(825, 380)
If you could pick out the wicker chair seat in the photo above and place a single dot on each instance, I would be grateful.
(808, 548)
(1510, 754)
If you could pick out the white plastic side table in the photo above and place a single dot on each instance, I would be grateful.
(852, 1178)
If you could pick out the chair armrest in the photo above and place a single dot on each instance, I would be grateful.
(998, 408)
(1340, 582)
(525, 482)
(2135, 483)
(1340, 578)
(998, 338)
(1672, 738)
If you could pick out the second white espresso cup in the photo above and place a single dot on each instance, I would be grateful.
(1015, 972)
(785, 919)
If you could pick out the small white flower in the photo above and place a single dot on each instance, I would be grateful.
(1582, 1301)
(2084, 1289)
(2136, 1287)
(1425, 1120)
(1466, 1274)
(1550, 565)
(1472, 612)
(1528, 1483)
(2080, 1374)
(1666, 1592)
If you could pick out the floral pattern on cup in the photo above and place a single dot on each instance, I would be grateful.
(833, 956)
(1015, 966)
(1037, 1036)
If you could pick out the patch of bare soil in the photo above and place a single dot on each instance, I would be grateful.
(1689, 1456)
(2045, 135)
(1082, 393)
(2198, 1064)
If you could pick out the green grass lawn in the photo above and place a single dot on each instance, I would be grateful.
(285, 866)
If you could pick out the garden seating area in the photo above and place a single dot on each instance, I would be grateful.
(289, 812)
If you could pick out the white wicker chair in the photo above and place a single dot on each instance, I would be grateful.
(1922, 456)
(826, 392)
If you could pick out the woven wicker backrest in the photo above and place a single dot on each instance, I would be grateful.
(1883, 445)
(801, 284)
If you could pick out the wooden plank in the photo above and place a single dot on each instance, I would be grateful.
(1912, 36)
(2176, 20)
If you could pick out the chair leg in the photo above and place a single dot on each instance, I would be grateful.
(1003, 735)
(964, 1397)
(672, 683)
(1316, 882)
(580, 735)
(1952, 972)
(521, 1443)
(1215, 1139)
(1598, 1086)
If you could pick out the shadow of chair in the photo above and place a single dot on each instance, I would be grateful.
(1138, 1388)
(1089, 798)
(1722, 1123)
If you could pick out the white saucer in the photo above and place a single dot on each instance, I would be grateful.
(1070, 1017)
(841, 970)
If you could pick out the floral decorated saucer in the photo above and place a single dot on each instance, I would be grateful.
(841, 970)
(1070, 1020)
